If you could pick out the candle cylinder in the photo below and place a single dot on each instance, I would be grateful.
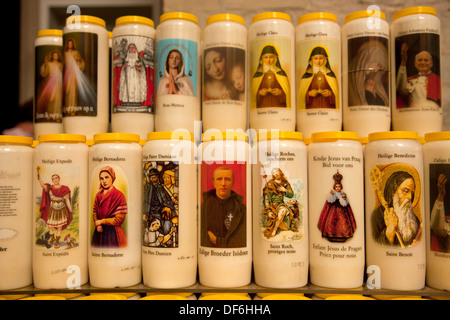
(395, 243)
(416, 59)
(177, 76)
(318, 72)
(169, 251)
(16, 212)
(280, 210)
(132, 74)
(336, 210)
(366, 73)
(436, 157)
(225, 230)
(48, 83)
(224, 104)
(60, 204)
(85, 76)
(272, 72)
(115, 193)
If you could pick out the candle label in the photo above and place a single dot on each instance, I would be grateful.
(337, 222)
(223, 220)
(48, 84)
(161, 203)
(417, 66)
(396, 217)
(224, 76)
(270, 65)
(318, 70)
(57, 211)
(368, 74)
(176, 67)
(80, 74)
(132, 74)
(439, 207)
(281, 206)
(108, 207)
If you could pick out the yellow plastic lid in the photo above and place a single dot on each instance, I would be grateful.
(170, 135)
(365, 14)
(64, 295)
(271, 15)
(49, 33)
(364, 140)
(349, 297)
(86, 19)
(44, 297)
(116, 137)
(62, 137)
(16, 140)
(413, 10)
(333, 136)
(281, 135)
(389, 135)
(225, 296)
(178, 15)
(109, 34)
(225, 16)
(221, 135)
(14, 296)
(183, 294)
(104, 296)
(317, 16)
(285, 296)
(135, 20)
(391, 296)
(409, 298)
(436, 136)
(164, 297)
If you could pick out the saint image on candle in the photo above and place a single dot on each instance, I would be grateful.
(337, 222)
(55, 208)
(270, 84)
(109, 213)
(174, 80)
(223, 213)
(394, 222)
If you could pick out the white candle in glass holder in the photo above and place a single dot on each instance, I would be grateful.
(16, 212)
(115, 193)
(225, 216)
(60, 204)
(169, 247)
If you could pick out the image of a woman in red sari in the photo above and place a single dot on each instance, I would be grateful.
(109, 213)
(55, 207)
(337, 222)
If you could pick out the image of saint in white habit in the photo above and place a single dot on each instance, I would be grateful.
(133, 80)
(175, 81)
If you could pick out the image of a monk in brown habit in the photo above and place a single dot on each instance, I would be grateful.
(279, 215)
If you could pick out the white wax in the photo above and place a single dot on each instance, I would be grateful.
(227, 110)
(336, 264)
(402, 268)
(90, 125)
(178, 111)
(225, 267)
(308, 35)
(134, 122)
(436, 153)
(421, 116)
(48, 127)
(261, 34)
(111, 267)
(66, 266)
(172, 266)
(281, 260)
(15, 216)
(358, 115)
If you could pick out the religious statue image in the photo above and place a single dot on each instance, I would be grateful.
(396, 217)
(174, 80)
(270, 83)
(337, 222)
(318, 86)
